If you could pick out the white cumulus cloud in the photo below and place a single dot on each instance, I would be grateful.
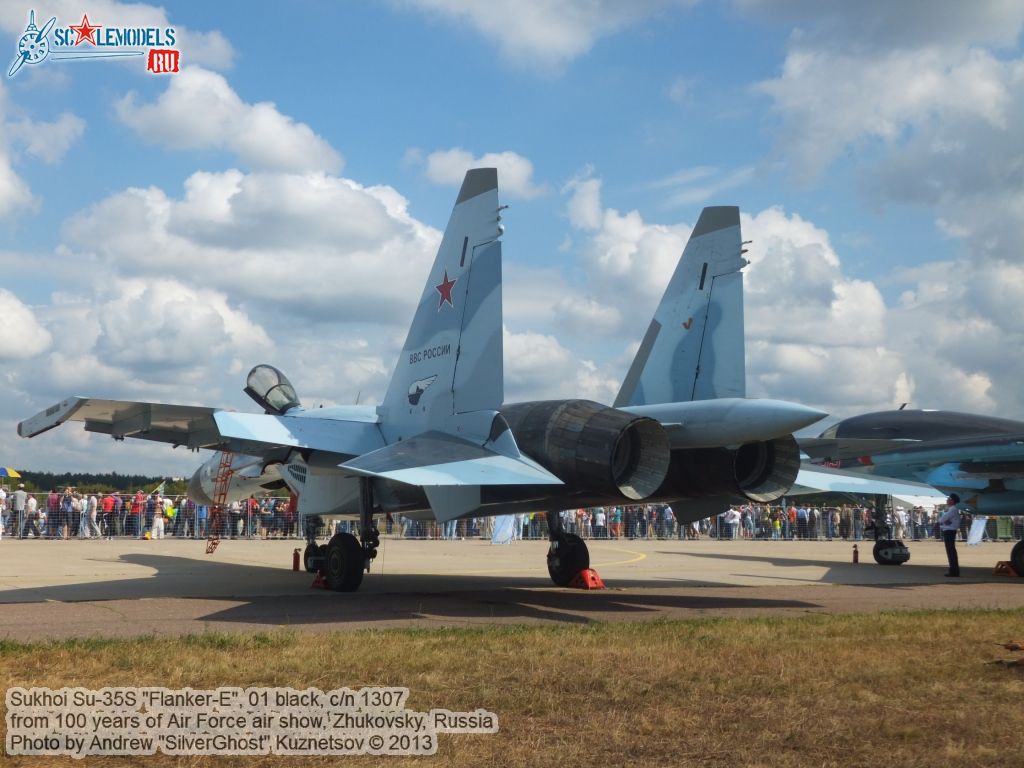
(538, 366)
(48, 141)
(15, 194)
(200, 110)
(547, 33)
(315, 244)
(515, 172)
(21, 335)
(880, 24)
(829, 100)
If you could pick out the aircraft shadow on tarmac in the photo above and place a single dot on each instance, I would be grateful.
(866, 573)
(270, 595)
(488, 606)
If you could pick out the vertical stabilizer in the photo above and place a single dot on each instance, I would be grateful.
(452, 358)
(693, 348)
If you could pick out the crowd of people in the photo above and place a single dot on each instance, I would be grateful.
(752, 521)
(70, 514)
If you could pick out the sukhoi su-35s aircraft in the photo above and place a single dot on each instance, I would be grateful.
(443, 443)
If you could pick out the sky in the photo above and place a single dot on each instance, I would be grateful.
(281, 198)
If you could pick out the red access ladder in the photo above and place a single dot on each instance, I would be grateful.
(220, 496)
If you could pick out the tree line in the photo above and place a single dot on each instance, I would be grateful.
(91, 482)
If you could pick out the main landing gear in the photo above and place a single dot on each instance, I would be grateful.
(890, 552)
(887, 551)
(567, 555)
(313, 554)
(344, 559)
(1017, 557)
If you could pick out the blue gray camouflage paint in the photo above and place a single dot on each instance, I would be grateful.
(694, 346)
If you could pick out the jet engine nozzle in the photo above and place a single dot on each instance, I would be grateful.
(761, 471)
(592, 446)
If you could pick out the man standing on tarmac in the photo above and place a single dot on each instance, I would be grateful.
(18, 499)
(949, 524)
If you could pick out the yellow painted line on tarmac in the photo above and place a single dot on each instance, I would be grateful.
(637, 557)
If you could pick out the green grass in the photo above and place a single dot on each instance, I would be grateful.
(811, 691)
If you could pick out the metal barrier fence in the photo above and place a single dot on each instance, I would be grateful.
(127, 516)
(273, 517)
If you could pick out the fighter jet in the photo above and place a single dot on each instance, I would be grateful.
(979, 458)
(443, 443)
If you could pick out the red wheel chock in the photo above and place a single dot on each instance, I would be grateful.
(1005, 568)
(587, 579)
(320, 582)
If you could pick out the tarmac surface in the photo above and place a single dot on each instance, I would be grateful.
(60, 589)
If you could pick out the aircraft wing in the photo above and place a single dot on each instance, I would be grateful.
(993, 470)
(837, 449)
(937, 462)
(821, 480)
(254, 433)
(193, 426)
(189, 425)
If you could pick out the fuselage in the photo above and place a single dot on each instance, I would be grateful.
(756, 461)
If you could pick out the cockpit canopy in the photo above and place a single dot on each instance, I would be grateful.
(271, 389)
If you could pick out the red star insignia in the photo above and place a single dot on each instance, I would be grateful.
(86, 32)
(445, 289)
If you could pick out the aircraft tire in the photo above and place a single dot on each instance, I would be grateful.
(312, 557)
(567, 556)
(343, 563)
(885, 551)
(1017, 557)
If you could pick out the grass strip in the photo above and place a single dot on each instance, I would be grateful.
(917, 688)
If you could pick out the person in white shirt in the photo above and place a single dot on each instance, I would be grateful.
(91, 509)
(158, 520)
(17, 501)
(949, 524)
(31, 516)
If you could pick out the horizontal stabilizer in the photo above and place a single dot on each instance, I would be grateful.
(437, 459)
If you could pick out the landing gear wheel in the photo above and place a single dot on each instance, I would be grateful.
(313, 556)
(567, 556)
(890, 552)
(1017, 557)
(343, 563)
